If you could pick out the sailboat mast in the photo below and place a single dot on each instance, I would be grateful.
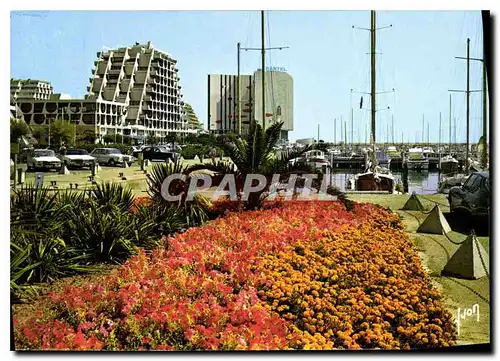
(428, 135)
(392, 128)
(439, 140)
(263, 72)
(352, 127)
(373, 86)
(449, 136)
(345, 134)
(423, 128)
(484, 156)
(334, 130)
(468, 111)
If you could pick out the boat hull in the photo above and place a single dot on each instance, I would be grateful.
(449, 167)
(368, 182)
(418, 164)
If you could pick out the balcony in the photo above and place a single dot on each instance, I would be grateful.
(109, 94)
(96, 86)
(102, 66)
(115, 70)
(140, 76)
(122, 98)
(125, 84)
(129, 68)
(136, 95)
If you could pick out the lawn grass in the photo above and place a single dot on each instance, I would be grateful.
(435, 251)
(135, 178)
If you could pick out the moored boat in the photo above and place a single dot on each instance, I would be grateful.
(416, 160)
(449, 165)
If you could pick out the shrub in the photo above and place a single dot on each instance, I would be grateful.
(189, 151)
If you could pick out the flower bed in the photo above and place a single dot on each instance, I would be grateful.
(306, 275)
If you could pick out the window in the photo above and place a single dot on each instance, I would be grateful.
(478, 182)
(469, 182)
(76, 152)
(44, 153)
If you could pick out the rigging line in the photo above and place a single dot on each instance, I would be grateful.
(273, 107)
(269, 59)
(248, 28)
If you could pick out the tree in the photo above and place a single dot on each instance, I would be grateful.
(107, 139)
(255, 154)
(39, 133)
(61, 131)
(151, 140)
(172, 138)
(88, 136)
(18, 129)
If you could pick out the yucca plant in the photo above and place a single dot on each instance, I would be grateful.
(153, 221)
(37, 260)
(107, 194)
(103, 231)
(36, 211)
(40, 260)
(192, 212)
(38, 253)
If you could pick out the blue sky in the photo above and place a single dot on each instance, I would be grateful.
(327, 58)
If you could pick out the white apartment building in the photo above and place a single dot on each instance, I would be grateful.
(23, 89)
(146, 81)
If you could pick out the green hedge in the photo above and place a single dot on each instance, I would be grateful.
(125, 149)
(189, 151)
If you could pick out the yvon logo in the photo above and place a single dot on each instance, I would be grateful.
(466, 312)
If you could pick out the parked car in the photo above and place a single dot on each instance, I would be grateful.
(136, 149)
(77, 158)
(473, 197)
(111, 156)
(159, 153)
(43, 159)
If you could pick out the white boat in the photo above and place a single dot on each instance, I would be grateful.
(416, 159)
(334, 151)
(449, 165)
(427, 150)
(316, 158)
(392, 151)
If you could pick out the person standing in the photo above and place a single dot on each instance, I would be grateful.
(213, 154)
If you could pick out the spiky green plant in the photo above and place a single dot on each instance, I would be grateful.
(103, 231)
(254, 154)
(191, 212)
(113, 194)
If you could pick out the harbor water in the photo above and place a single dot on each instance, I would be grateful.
(418, 182)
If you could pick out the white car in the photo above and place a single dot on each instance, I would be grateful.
(77, 158)
(43, 159)
(111, 156)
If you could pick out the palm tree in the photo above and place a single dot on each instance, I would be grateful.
(255, 154)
